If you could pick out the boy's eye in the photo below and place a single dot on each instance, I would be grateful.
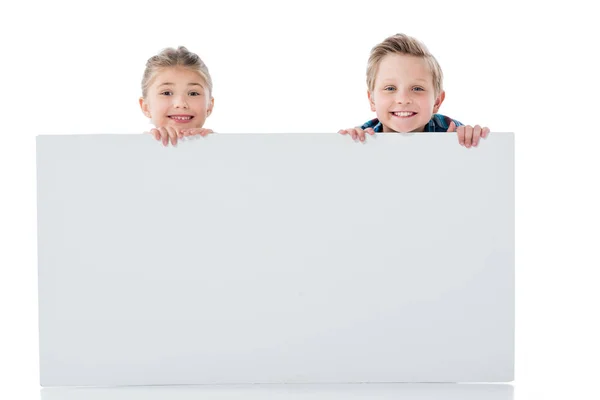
(389, 88)
(418, 89)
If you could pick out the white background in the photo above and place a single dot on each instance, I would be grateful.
(522, 66)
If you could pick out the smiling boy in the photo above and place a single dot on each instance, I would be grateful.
(405, 90)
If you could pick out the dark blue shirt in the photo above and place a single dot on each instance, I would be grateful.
(437, 123)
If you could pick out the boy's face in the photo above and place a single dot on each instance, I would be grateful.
(403, 96)
(177, 97)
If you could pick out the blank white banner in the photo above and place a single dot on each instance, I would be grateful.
(381, 391)
(275, 258)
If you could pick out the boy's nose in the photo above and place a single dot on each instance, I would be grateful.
(403, 97)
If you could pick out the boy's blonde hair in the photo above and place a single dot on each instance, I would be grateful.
(403, 44)
(171, 57)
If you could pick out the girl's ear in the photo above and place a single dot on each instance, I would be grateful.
(144, 107)
(210, 106)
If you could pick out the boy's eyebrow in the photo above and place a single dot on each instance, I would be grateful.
(391, 81)
(394, 80)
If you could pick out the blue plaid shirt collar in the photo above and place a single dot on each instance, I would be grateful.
(437, 123)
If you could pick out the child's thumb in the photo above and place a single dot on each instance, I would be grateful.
(452, 127)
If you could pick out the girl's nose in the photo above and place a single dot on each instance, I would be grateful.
(180, 102)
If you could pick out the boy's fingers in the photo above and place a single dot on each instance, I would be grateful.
(451, 127)
(361, 135)
(468, 135)
(485, 132)
(342, 131)
(461, 135)
(476, 135)
(370, 131)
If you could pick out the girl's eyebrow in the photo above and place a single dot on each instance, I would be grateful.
(171, 83)
(394, 79)
(194, 84)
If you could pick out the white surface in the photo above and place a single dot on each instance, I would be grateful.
(406, 391)
(507, 63)
(281, 258)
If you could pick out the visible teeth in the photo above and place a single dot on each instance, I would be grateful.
(181, 118)
(403, 113)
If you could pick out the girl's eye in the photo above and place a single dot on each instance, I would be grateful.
(194, 94)
(166, 93)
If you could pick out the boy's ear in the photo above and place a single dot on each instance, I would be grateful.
(438, 102)
(371, 100)
(145, 108)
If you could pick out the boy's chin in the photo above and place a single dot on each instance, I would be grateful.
(402, 129)
(405, 128)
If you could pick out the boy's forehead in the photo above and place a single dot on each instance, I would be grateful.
(394, 66)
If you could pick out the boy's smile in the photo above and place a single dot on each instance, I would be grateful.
(403, 114)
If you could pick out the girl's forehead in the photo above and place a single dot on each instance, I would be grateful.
(177, 75)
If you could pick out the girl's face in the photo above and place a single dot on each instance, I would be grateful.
(178, 97)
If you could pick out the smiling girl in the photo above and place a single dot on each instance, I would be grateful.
(176, 95)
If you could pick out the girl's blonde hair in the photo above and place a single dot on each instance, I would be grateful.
(171, 57)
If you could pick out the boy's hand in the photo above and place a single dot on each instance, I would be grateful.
(357, 133)
(468, 135)
(168, 133)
